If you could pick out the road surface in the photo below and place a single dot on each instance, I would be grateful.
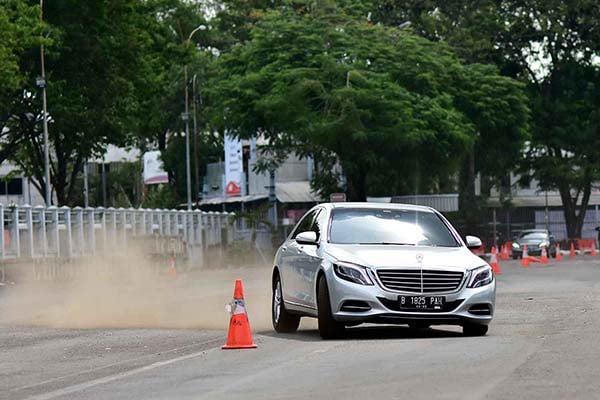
(543, 344)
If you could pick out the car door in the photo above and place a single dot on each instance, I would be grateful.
(291, 261)
(311, 261)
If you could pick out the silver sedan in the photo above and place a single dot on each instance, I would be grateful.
(353, 263)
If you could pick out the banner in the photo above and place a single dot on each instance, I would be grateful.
(234, 166)
(154, 172)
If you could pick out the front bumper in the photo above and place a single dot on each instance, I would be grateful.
(383, 304)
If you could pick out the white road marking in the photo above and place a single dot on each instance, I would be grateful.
(111, 378)
(87, 371)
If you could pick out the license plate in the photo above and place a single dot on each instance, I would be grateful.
(422, 302)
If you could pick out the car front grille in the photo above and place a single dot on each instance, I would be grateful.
(420, 281)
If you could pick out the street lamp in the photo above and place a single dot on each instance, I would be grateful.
(187, 124)
(196, 166)
(41, 83)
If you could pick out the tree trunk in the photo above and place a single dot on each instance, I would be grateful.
(357, 186)
(467, 199)
(573, 219)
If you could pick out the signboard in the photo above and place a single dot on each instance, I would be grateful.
(154, 172)
(234, 166)
(337, 197)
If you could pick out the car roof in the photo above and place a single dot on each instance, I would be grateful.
(379, 206)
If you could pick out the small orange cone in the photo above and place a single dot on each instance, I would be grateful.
(525, 258)
(558, 253)
(239, 335)
(494, 262)
(593, 253)
(172, 271)
(572, 252)
(505, 254)
(544, 255)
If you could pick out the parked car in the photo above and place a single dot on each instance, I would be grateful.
(534, 239)
(350, 263)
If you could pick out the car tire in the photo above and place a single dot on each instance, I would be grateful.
(515, 257)
(474, 330)
(283, 321)
(329, 328)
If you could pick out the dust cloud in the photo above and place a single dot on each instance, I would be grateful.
(127, 290)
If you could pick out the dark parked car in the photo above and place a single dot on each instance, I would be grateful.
(534, 239)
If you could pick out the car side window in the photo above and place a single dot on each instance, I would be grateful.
(305, 224)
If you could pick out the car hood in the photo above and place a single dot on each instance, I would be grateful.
(390, 256)
(531, 242)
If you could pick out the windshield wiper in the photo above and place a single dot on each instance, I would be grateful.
(390, 243)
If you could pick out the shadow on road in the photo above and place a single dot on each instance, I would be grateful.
(370, 333)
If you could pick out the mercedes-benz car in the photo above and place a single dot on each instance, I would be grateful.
(534, 239)
(352, 263)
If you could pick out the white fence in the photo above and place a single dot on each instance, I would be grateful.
(40, 232)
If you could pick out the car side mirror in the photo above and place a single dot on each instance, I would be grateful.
(306, 238)
(473, 242)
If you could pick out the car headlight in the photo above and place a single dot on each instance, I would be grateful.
(352, 273)
(481, 276)
(544, 244)
(515, 245)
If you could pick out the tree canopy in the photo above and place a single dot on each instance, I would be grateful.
(369, 97)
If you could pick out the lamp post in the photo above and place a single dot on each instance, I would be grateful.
(186, 118)
(41, 83)
(196, 166)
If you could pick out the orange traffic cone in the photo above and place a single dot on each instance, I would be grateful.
(239, 335)
(572, 252)
(172, 271)
(593, 253)
(494, 262)
(544, 255)
(505, 255)
(558, 253)
(525, 258)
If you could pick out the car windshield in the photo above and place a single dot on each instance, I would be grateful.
(533, 236)
(389, 227)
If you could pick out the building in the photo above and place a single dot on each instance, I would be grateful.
(15, 188)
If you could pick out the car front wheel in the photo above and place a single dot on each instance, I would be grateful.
(283, 321)
(329, 328)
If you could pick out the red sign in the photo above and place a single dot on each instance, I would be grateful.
(232, 189)
(337, 197)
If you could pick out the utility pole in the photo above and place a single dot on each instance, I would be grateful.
(196, 162)
(86, 191)
(41, 82)
(186, 118)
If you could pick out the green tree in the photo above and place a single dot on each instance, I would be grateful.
(378, 100)
(21, 28)
(110, 68)
(553, 46)
(559, 45)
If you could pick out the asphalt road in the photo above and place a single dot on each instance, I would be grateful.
(543, 344)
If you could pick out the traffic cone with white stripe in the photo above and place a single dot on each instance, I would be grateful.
(544, 255)
(494, 262)
(504, 253)
(593, 252)
(239, 335)
(558, 253)
(525, 258)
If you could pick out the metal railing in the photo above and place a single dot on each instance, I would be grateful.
(64, 232)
